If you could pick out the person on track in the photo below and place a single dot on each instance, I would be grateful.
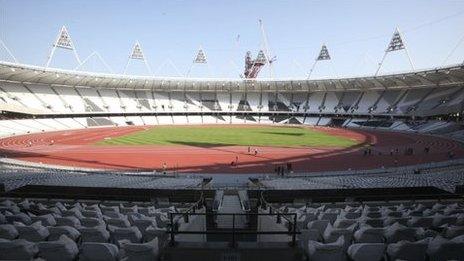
(165, 167)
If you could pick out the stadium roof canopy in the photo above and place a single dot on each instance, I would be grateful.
(437, 77)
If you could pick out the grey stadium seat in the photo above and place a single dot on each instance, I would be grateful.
(319, 225)
(373, 222)
(331, 251)
(454, 231)
(18, 249)
(307, 235)
(19, 217)
(143, 223)
(425, 222)
(332, 234)
(63, 249)
(439, 220)
(98, 252)
(139, 252)
(154, 232)
(8, 231)
(131, 234)
(46, 220)
(443, 249)
(368, 234)
(117, 222)
(406, 250)
(94, 234)
(398, 232)
(92, 213)
(331, 216)
(33, 233)
(367, 251)
(92, 222)
(68, 221)
(57, 232)
(73, 212)
(344, 223)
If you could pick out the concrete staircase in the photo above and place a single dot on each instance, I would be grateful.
(231, 204)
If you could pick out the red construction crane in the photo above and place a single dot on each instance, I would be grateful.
(252, 67)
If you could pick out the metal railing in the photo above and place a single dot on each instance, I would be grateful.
(264, 204)
(233, 231)
(291, 218)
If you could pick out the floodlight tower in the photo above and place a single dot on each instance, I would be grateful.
(396, 44)
(63, 41)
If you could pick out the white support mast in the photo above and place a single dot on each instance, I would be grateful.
(236, 52)
(453, 50)
(312, 69)
(396, 43)
(298, 66)
(165, 64)
(62, 41)
(267, 52)
(173, 65)
(96, 54)
(406, 49)
(8, 51)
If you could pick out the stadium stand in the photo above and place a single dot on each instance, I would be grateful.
(347, 224)
(411, 212)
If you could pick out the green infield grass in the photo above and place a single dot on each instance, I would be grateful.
(204, 136)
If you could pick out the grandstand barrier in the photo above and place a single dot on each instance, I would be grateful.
(106, 193)
(341, 195)
(460, 190)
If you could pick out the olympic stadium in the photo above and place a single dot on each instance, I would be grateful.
(108, 166)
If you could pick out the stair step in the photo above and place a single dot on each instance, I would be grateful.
(231, 204)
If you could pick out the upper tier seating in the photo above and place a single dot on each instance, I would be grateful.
(60, 99)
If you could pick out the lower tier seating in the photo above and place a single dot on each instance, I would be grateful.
(420, 230)
(81, 230)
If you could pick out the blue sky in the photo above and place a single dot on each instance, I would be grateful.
(355, 32)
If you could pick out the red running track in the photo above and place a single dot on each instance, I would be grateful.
(76, 148)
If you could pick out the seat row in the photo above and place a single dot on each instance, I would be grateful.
(68, 230)
(432, 249)
(427, 230)
(64, 249)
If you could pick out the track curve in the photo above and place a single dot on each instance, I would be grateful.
(76, 148)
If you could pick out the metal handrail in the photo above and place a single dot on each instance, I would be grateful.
(232, 231)
(292, 224)
(192, 208)
(264, 201)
